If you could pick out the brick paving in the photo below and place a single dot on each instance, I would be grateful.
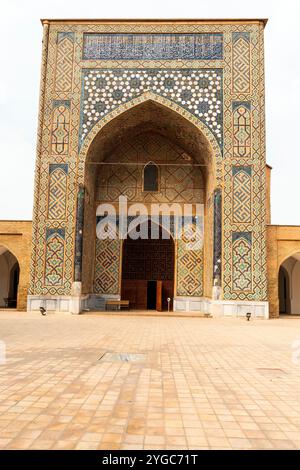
(202, 383)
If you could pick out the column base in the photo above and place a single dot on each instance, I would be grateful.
(57, 303)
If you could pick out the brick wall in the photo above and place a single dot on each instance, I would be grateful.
(15, 235)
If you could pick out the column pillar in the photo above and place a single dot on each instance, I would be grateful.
(217, 254)
(77, 284)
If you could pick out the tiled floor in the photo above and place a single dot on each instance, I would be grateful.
(203, 383)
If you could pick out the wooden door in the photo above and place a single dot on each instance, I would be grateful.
(159, 306)
(136, 293)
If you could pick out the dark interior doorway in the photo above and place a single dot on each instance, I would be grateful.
(151, 295)
(284, 291)
(144, 262)
(9, 279)
(14, 284)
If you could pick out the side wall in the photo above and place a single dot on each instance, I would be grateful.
(16, 237)
(282, 241)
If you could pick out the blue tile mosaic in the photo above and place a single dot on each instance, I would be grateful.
(54, 231)
(246, 169)
(199, 91)
(62, 166)
(205, 46)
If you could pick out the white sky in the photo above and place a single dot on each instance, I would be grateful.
(20, 39)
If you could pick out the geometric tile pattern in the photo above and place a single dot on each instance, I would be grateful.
(241, 67)
(64, 61)
(54, 260)
(241, 193)
(57, 195)
(190, 264)
(152, 46)
(60, 127)
(107, 266)
(242, 261)
(198, 91)
(241, 129)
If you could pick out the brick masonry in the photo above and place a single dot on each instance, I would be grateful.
(15, 235)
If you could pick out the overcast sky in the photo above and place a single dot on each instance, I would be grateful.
(21, 36)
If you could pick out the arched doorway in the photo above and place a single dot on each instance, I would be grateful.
(148, 270)
(9, 279)
(288, 285)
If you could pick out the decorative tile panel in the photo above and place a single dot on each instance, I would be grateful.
(241, 128)
(64, 61)
(153, 46)
(241, 66)
(60, 127)
(242, 262)
(57, 191)
(107, 266)
(54, 259)
(189, 264)
(241, 194)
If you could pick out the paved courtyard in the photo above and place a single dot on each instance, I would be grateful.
(191, 383)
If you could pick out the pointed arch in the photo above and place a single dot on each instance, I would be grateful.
(213, 148)
(291, 254)
(288, 284)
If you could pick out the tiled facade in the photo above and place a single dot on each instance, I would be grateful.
(209, 77)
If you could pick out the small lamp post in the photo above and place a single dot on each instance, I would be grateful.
(168, 300)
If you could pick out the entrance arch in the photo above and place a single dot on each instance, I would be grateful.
(288, 285)
(9, 278)
(148, 267)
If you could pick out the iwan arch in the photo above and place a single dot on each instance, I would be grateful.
(149, 129)
(184, 99)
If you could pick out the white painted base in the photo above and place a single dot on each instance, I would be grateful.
(222, 308)
(217, 308)
(191, 304)
(56, 303)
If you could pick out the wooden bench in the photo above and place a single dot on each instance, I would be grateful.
(116, 304)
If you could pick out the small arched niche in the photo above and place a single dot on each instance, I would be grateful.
(150, 177)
